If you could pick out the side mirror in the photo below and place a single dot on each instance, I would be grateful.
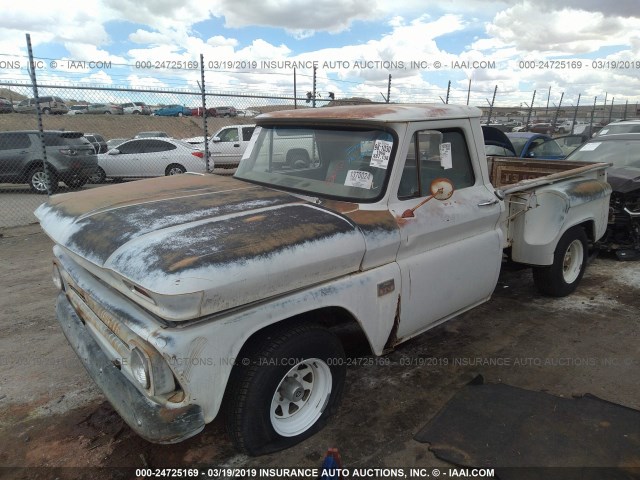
(113, 151)
(215, 139)
(441, 189)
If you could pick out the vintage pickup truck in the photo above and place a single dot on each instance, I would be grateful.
(194, 295)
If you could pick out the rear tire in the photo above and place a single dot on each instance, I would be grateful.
(569, 262)
(174, 169)
(76, 183)
(98, 177)
(285, 388)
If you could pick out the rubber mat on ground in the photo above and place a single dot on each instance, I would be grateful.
(518, 431)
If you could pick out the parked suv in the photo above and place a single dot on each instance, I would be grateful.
(98, 142)
(5, 105)
(48, 105)
(226, 112)
(70, 158)
(136, 108)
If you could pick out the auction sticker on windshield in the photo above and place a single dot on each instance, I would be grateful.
(359, 178)
(381, 154)
(590, 146)
(445, 156)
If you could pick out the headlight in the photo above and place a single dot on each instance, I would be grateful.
(140, 368)
(57, 277)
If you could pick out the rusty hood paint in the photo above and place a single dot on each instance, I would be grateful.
(229, 240)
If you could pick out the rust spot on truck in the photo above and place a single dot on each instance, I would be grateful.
(233, 240)
(128, 222)
(591, 189)
(393, 339)
(382, 112)
(182, 264)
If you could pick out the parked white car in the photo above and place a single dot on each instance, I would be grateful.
(136, 108)
(150, 157)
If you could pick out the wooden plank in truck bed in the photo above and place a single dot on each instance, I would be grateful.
(508, 171)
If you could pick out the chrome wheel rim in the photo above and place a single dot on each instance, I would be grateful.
(39, 181)
(572, 261)
(301, 397)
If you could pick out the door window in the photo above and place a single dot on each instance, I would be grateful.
(435, 154)
(229, 135)
(14, 140)
(246, 133)
(137, 146)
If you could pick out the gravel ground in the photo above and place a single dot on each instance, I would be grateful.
(51, 415)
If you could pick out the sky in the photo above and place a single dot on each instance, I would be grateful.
(559, 49)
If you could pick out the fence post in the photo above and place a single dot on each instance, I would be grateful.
(389, 89)
(533, 99)
(204, 114)
(45, 164)
(575, 114)
(555, 117)
(611, 108)
(314, 87)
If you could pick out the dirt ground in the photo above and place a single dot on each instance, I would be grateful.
(51, 415)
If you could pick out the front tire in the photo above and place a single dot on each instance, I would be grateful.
(38, 180)
(569, 262)
(285, 388)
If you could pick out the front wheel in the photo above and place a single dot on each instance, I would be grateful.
(38, 180)
(285, 388)
(569, 262)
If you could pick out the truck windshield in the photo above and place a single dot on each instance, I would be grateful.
(338, 163)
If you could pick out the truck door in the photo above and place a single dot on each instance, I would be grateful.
(450, 251)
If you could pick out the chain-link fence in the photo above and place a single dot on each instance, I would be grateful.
(99, 135)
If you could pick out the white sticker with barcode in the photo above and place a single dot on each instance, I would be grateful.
(381, 154)
(446, 161)
(359, 178)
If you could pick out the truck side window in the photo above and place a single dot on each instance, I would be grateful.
(424, 162)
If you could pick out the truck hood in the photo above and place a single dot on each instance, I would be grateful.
(223, 240)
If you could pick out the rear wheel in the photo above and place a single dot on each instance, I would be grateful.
(46, 111)
(569, 262)
(107, 112)
(285, 388)
(76, 182)
(175, 169)
(38, 180)
(180, 114)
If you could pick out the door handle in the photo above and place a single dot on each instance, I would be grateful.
(236, 144)
(488, 203)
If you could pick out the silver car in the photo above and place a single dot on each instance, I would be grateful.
(105, 108)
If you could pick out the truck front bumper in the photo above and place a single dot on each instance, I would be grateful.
(152, 421)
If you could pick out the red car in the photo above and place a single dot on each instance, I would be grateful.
(545, 128)
(197, 112)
